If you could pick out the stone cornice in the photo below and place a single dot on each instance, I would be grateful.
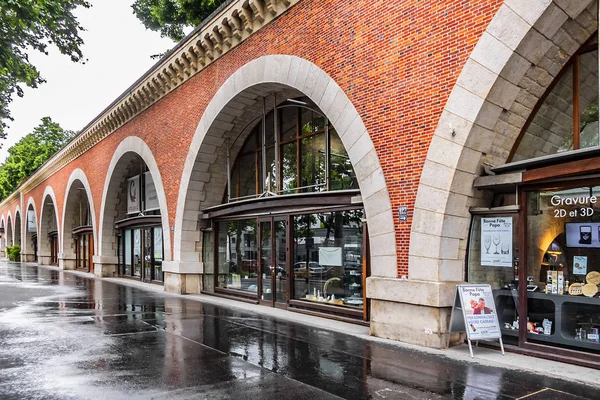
(229, 26)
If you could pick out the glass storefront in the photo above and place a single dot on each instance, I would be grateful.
(299, 240)
(141, 253)
(303, 260)
(84, 250)
(563, 266)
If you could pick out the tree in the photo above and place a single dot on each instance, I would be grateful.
(33, 24)
(171, 17)
(30, 153)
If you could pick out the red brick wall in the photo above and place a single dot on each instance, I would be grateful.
(396, 60)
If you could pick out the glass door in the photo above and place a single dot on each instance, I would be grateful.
(280, 276)
(273, 262)
(266, 262)
(148, 264)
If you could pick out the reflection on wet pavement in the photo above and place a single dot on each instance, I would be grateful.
(64, 336)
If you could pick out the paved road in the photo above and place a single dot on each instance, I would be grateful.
(63, 336)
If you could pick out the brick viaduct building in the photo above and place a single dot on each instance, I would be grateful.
(424, 96)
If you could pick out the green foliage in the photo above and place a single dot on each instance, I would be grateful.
(14, 253)
(27, 25)
(30, 153)
(170, 17)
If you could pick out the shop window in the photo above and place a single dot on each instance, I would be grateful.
(563, 266)
(141, 253)
(305, 154)
(237, 255)
(567, 117)
(327, 258)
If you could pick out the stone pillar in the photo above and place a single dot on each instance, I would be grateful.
(26, 256)
(44, 257)
(183, 277)
(67, 260)
(411, 311)
(105, 266)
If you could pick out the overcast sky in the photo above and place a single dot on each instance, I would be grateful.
(118, 49)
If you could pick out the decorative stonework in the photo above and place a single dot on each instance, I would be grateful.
(521, 52)
(229, 26)
(205, 166)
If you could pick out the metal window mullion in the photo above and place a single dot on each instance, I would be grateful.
(228, 170)
(276, 134)
(264, 146)
(327, 154)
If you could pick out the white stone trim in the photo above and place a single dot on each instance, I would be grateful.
(25, 243)
(518, 37)
(310, 79)
(77, 175)
(138, 146)
(18, 211)
(49, 192)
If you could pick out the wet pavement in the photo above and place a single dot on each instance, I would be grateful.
(64, 336)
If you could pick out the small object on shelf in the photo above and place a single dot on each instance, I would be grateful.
(530, 327)
(593, 278)
(576, 289)
(593, 336)
(547, 325)
(590, 290)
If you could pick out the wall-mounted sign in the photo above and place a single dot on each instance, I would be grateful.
(496, 241)
(403, 213)
(133, 195)
(150, 196)
(31, 225)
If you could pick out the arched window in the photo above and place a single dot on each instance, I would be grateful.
(293, 149)
(570, 105)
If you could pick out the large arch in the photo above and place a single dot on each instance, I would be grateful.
(29, 247)
(9, 231)
(48, 223)
(501, 82)
(77, 186)
(4, 233)
(17, 227)
(106, 258)
(227, 111)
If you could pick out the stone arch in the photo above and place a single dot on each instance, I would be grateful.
(28, 248)
(516, 59)
(78, 194)
(17, 227)
(48, 223)
(226, 111)
(125, 153)
(9, 230)
(4, 233)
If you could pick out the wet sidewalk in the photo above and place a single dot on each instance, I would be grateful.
(67, 336)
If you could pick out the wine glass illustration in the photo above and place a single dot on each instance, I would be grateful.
(504, 248)
(487, 242)
(496, 241)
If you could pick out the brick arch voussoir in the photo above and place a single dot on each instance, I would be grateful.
(502, 80)
(309, 79)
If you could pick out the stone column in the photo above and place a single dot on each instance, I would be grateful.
(105, 266)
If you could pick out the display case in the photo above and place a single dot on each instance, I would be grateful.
(573, 318)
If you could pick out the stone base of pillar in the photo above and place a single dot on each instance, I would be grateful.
(416, 312)
(105, 267)
(66, 261)
(44, 260)
(28, 257)
(183, 283)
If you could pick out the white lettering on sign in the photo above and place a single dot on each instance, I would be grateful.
(573, 201)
